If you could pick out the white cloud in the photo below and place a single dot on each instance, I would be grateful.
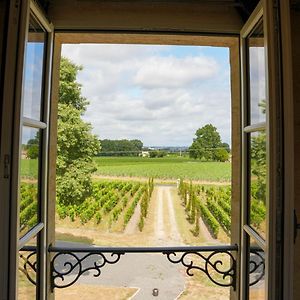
(173, 72)
(152, 93)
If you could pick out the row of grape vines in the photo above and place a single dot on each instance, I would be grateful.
(213, 204)
(111, 201)
(28, 206)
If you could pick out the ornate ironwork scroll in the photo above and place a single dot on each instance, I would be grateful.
(256, 266)
(219, 265)
(68, 267)
(28, 263)
(70, 263)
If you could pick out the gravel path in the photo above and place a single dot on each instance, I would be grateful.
(159, 233)
(134, 221)
(174, 234)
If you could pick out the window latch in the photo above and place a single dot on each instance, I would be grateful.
(6, 166)
(296, 226)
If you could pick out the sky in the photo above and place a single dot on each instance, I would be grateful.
(158, 94)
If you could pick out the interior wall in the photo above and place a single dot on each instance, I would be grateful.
(295, 30)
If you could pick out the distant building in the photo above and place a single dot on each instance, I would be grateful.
(145, 154)
(24, 154)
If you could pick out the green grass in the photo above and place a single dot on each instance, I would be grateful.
(29, 168)
(164, 168)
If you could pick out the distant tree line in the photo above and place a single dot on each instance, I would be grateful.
(120, 147)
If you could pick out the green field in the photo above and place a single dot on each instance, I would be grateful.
(164, 168)
(29, 168)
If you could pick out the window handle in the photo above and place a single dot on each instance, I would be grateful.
(6, 166)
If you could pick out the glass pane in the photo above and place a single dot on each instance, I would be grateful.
(257, 75)
(29, 170)
(33, 71)
(258, 175)
(27, 272)
(256, 272)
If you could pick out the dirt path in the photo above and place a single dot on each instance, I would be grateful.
(159, 228)
(206, 234)
(133, 223)
(174, 234)
(166, 229)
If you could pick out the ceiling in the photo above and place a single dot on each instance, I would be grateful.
(244, 7)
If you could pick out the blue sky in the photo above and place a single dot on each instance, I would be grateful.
(158, 94)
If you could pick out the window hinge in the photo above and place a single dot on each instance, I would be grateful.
(6, 166)
(296, 226)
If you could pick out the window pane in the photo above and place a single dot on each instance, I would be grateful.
(27, 259)
(29, 170)
(258, 172)
(257, 75)
(256, 272)
(33, 72)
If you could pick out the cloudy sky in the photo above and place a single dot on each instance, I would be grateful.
(158, 94)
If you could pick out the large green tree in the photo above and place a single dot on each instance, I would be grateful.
(208, 145)
(76, 145)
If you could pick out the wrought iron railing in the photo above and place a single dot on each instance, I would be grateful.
(218, 263)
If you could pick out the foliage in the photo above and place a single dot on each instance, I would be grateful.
(196, 230)
(221, 154)
(69, 88)
(141, 223)
(130, 211)
(109, 201)
(120, 147)
(32, 147)
(28, 206)
(219, 214)
(208, 145)
(157, 153)
(76, 145)
(209, 219)
(259, 165)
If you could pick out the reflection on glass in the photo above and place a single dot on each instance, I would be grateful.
(257, 75)
(33, 71)
(256, 272)
(26, 289)
(29, 179)
(258, 175)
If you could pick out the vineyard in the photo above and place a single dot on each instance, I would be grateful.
(213, 204)
(28, 206)
(111, 205)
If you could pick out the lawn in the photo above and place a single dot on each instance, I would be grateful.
(29, 168)
(164, 168)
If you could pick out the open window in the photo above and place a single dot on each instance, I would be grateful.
(30, 161)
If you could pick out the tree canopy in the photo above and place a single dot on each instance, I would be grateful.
(76, 145)
(208, 145)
